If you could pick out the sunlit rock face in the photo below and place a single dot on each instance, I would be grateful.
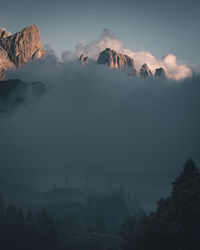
(145, 71)
(83, 59)
(5, 63)
(116, 60)
(23, 46)
(20, 48)
(3, 33)
(160, 72)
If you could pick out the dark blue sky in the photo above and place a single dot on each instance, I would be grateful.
(160, 27)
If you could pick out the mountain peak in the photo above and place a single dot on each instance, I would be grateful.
(116, 60)
(22, 47)
(160, 72)
(145, 71)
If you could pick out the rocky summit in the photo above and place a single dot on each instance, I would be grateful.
(18, 49)
(160, 72)
(145, 71)
(116, 60)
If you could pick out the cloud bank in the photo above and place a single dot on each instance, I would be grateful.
(108, 40)
(102, 120)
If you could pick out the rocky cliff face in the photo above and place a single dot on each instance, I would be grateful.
(160, 72)
(116, 60)
(23, 46)
(145, 71)
(5, 63)
(20, 48)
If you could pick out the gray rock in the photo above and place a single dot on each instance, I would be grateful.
(5, 63)
(145, 71)
(116, 60)
(160, 72)
(23, 46)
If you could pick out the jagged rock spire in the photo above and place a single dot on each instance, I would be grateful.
(20, 48)
(23, 46)
(116, 60)
(145, 71)
(160, 72)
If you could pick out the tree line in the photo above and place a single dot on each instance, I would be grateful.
(175, 225)
(25, 231)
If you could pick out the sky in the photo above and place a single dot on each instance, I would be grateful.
(161, 27)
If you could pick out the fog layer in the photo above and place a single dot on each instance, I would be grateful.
(95, 118)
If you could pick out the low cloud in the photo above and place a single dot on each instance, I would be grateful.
(107, 39)
(141, 130)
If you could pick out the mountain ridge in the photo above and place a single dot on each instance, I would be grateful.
(25, 46)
